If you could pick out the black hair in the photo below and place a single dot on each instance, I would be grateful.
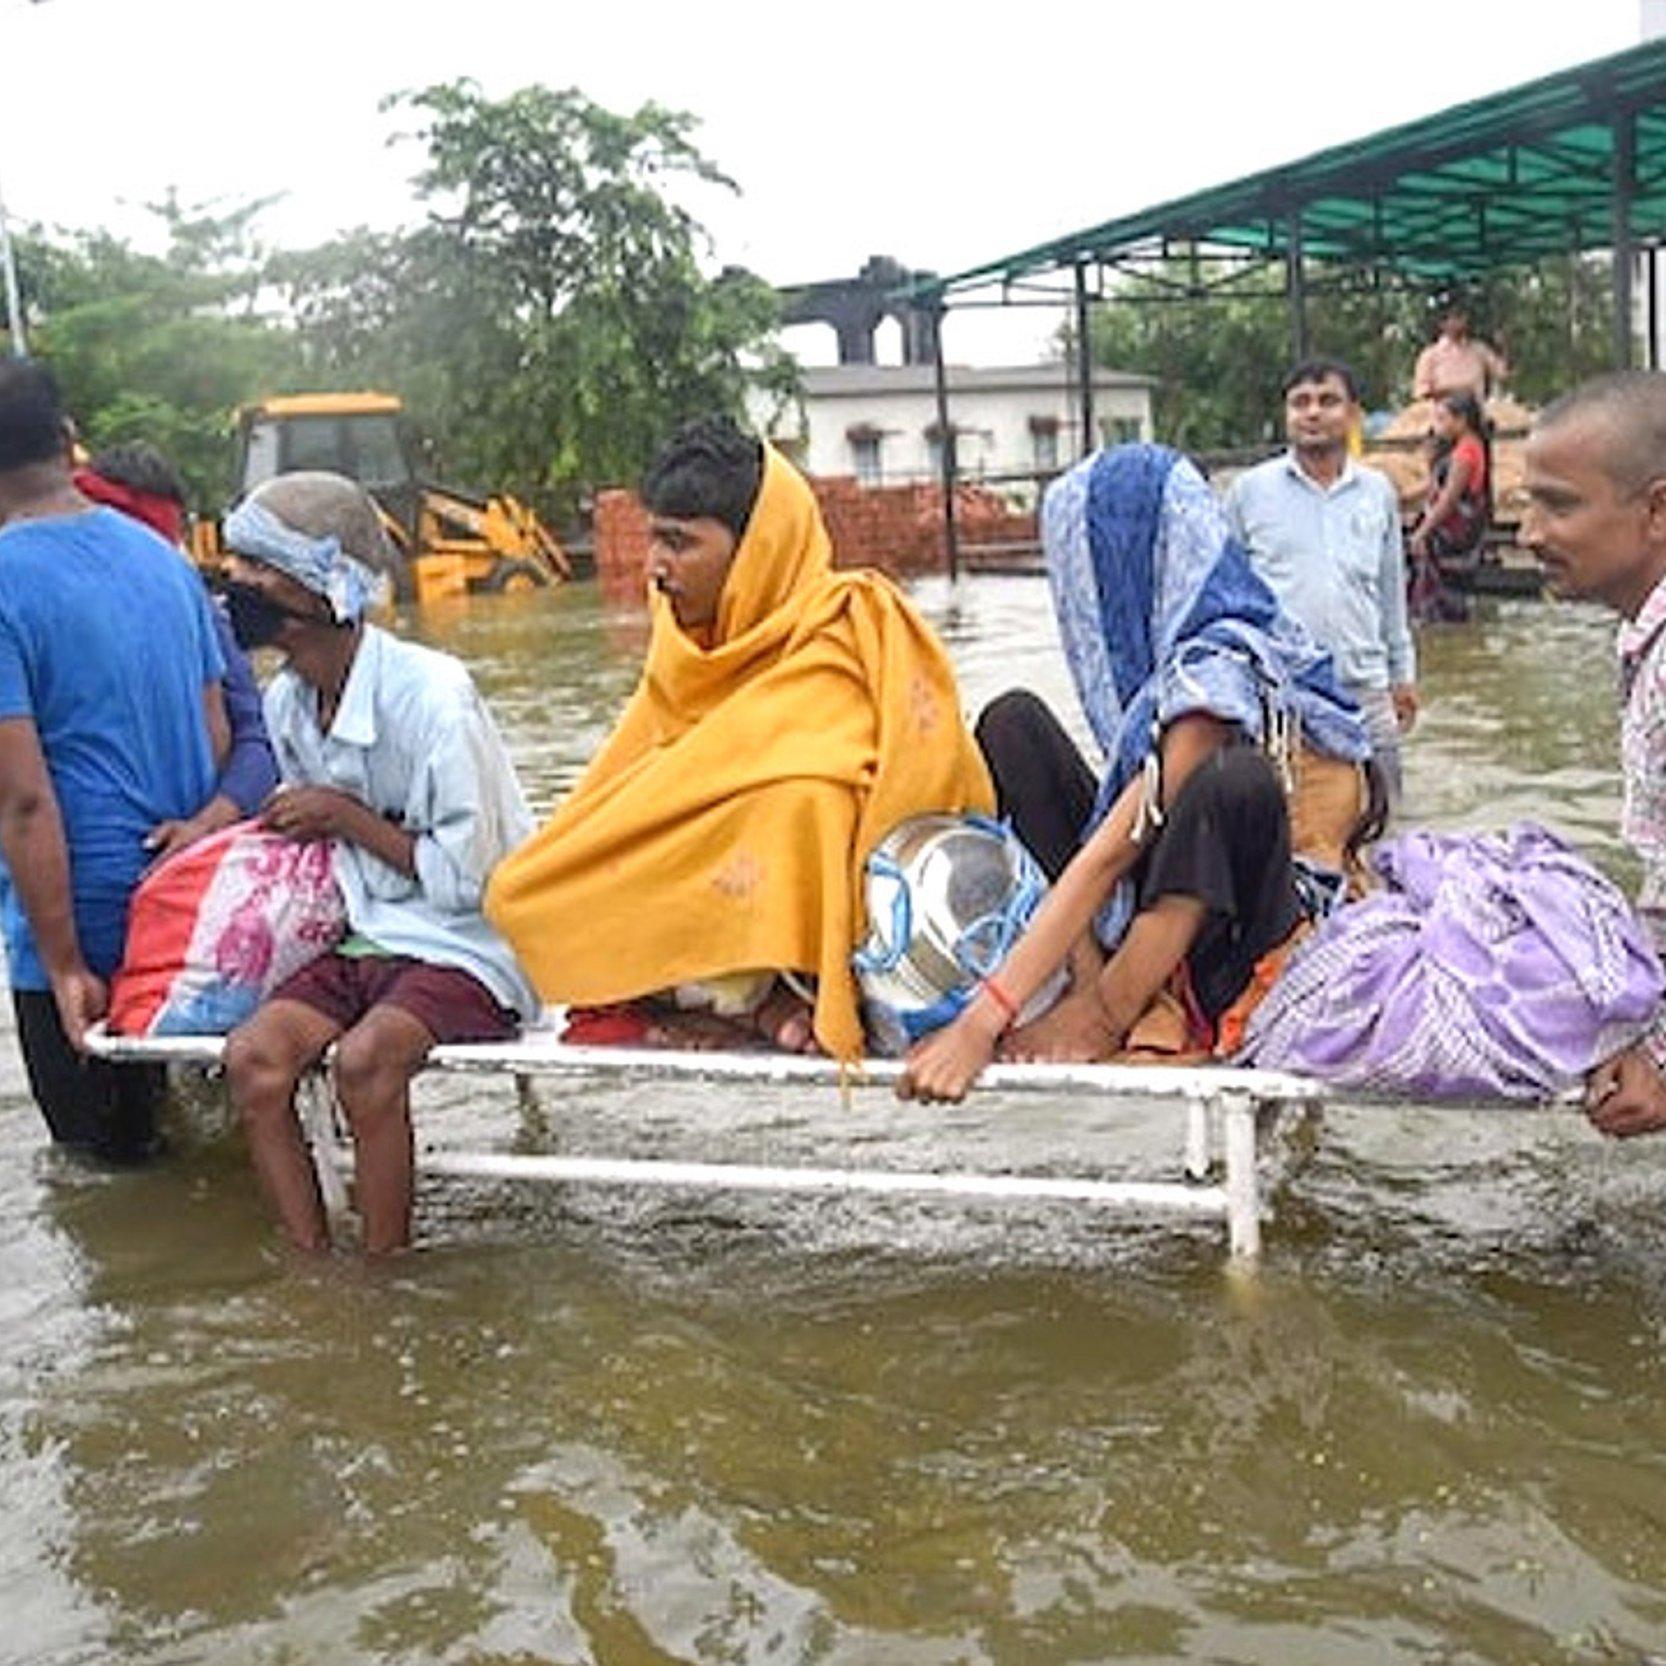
(141, 467)
(1320, 370)
(31, 417)
(1462, 403)
(1633, 404)
(709, 469)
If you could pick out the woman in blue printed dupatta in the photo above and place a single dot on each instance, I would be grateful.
(1173, 876)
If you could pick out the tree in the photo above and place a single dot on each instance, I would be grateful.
(161, 348)
(1219, 360)
(549, 321)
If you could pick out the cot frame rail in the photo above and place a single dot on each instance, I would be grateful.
(1223, 1113)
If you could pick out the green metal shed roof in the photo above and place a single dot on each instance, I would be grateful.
(1497, 182)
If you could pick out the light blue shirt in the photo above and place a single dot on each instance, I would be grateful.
(413, 740)
(1335, 558)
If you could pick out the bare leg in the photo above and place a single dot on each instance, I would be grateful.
(265, 1058)
(1159, 938)
(698, 1031)
(1074, 1027)
(374, 1064)
(1093, 1019)
(786, 1021)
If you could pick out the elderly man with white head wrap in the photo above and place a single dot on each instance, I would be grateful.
(386, 750)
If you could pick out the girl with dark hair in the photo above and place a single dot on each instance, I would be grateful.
(1447, 537)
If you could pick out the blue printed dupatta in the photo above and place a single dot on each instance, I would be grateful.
(1162, 614)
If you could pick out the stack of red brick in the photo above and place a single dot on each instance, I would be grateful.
(898, 529)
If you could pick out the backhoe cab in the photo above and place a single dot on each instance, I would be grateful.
(449, 542)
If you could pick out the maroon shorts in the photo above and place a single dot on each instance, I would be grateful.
(450, 1004)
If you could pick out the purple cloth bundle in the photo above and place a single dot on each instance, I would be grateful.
(1488, 965)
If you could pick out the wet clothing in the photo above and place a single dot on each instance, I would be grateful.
(724, 825)
(412, 739)
(107, 1111)
(106, 643)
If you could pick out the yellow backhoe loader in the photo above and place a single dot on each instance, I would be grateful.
(450, 543)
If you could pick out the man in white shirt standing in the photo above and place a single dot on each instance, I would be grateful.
(1324, 531)
(1456, 362)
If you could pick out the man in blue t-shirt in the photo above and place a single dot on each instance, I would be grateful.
(112, 722)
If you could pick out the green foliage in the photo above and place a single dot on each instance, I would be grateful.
(162, 348)
(546, 323)
(1219, 360)
(549, 322)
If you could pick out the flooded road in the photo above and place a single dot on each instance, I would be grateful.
(628, 1429)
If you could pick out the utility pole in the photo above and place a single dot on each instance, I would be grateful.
(14, 301)
(8, 270)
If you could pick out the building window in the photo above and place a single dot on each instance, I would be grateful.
(934, 450)
(1044, 444)
(864, 453)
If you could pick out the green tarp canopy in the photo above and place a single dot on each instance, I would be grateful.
(1572, 162)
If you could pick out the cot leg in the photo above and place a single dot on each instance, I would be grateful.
(533, 1121)
(1243, 1189)
(315, 1104)
(1197, 1139)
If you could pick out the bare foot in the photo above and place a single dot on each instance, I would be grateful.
(1074, 1031)
(784, 1020)
(698, 1032)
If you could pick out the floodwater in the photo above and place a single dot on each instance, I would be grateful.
(591, 1426)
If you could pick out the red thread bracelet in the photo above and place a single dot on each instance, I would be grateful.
(1003, 1001)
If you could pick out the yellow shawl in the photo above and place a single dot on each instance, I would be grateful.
(723, 826)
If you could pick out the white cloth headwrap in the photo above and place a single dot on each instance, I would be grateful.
(318, 564)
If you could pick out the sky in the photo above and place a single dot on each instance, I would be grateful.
(943, 134)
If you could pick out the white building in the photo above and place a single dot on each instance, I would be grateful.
(879, 422)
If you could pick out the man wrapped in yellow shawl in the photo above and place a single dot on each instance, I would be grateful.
(788, 717)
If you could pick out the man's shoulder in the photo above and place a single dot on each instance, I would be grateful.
(1374, 480)
(419, 677)
(403, 658)
(102, 553)
(1262, 484)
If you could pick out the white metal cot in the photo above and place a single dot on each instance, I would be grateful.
(1220, 1116)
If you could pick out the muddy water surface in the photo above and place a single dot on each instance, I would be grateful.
(592, 1427)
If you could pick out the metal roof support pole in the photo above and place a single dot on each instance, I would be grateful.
(1084, 358)
(1651, 276)
(945, 451)
(1625, 181)
(1295, 287)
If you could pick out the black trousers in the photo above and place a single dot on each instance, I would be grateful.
(106, 1110)
(1225, 840)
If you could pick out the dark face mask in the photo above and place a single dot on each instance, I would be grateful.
(257, 620)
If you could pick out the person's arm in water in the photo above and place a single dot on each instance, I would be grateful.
(945, 1064)
(32, 842)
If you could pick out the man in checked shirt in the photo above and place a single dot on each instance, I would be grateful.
(1596, 487)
